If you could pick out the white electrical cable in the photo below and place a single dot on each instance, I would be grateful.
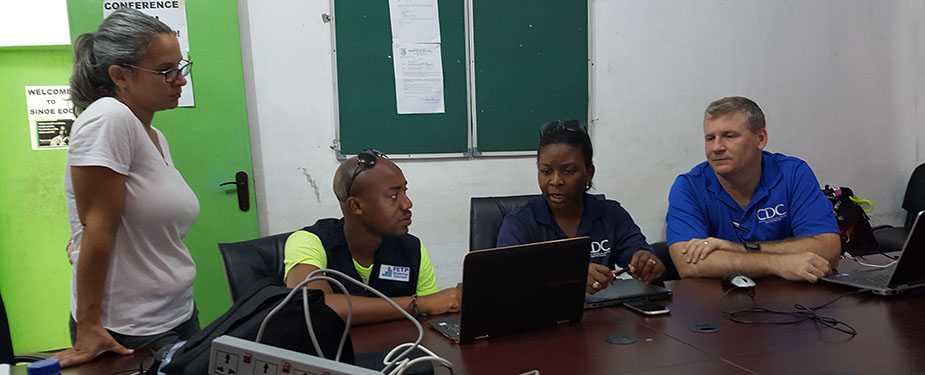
(430, 358)
(404, 364)
(888, 265)
(859, 261)
(308, 318)
(401, 364)
(311, 332)
(387, 299)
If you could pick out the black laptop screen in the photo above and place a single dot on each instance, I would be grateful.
(909, 268)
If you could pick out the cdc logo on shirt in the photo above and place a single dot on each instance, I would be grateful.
(771, 214)
(600, 248)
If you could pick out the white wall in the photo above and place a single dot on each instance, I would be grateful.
(34, 23)
(915, 11)
(839, 81)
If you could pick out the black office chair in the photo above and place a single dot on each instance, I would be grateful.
(249, 261)
(485, 216)
(892, 238)
(6, 343)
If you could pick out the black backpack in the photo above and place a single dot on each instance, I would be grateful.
(857, 237)
(286, 329)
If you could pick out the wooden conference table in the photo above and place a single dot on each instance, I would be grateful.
(890, 339)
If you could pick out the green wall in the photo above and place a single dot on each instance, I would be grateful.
(34, 271)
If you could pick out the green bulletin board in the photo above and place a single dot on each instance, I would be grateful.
(366, 86)
(530, 66)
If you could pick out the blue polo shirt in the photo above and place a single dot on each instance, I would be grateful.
(787, 203)
(614, 235)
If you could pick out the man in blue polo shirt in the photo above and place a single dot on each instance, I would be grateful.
(746, 210)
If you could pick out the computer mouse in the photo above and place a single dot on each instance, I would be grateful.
(738, 281)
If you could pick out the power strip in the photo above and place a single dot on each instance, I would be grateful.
(234, 356)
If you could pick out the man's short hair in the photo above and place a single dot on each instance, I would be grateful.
(754, 117)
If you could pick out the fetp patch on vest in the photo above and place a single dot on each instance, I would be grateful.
(394, 273)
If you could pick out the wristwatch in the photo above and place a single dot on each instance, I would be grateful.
(752, 246)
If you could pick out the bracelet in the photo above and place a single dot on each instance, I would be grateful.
(413, 306)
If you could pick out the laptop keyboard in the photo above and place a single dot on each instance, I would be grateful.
(448, 327)
(875, 278)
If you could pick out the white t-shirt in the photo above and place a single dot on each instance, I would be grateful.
(149, 287)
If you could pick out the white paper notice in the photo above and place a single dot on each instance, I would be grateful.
(172, 13)
(418, 78)
(51, 115)
(414, 21)
(416, 56)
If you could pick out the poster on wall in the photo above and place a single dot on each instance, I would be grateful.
(172, 13)
(51, 115)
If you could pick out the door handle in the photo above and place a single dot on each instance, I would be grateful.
(241, 185)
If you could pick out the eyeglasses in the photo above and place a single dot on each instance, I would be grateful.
(567, 125)
(366, 159)
(171, 74)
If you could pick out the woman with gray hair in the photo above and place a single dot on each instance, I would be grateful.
(129, 207)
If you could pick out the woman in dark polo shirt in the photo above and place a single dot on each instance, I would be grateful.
(565, 210)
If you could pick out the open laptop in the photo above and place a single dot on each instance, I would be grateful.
(624, 290)
(519, 288)
(907, 273)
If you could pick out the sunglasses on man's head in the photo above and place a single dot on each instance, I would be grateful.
(366, 159)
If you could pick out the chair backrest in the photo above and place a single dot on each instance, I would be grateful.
(247, 262)
(486, 215)
(915, 195)
(6, 342)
